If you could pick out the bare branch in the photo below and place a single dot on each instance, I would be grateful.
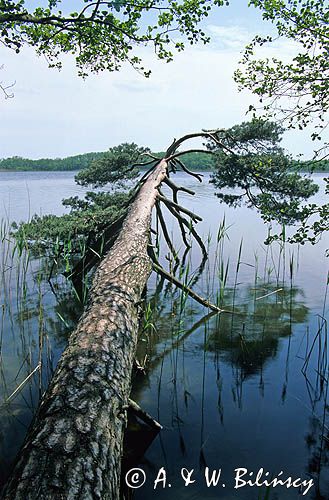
(180, 153)
(8, 95)
(190, 227)
(143, 415)
(205, 134)
(180, 208)
(143, 164)
(165, 232)
(151, 156)
(188, 171)
(176, 188)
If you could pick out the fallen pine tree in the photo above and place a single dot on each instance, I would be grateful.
(73, 448)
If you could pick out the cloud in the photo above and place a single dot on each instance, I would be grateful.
(229, 37)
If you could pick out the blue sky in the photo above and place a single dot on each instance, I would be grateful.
(56, 113)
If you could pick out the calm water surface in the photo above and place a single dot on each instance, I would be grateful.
(231, 390)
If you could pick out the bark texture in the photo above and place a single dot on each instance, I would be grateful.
(74, 446)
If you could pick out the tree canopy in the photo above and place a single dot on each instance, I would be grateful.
(101, 34)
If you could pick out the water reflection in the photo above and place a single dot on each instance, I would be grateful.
(317, 442)
(251, 334)
(241, 365)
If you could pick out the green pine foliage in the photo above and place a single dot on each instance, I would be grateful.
(81, 227)
(253, 169)
(120, 164)
(90, 216)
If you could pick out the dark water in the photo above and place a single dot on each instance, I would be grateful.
(243, 389)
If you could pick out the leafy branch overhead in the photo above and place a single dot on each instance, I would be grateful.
(102, 35)
(296, 91)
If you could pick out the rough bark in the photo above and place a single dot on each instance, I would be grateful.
(74, 446)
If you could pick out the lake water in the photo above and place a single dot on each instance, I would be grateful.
(244, 389)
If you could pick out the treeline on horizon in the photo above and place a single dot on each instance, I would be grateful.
(196, 161)
(78, 162)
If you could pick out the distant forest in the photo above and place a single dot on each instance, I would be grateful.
(76, 162)
(194, 161)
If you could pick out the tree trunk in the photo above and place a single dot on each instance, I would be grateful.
(74, 447)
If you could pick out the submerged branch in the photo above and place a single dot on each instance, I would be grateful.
(143, 415)
(159, 269)
(172, 279)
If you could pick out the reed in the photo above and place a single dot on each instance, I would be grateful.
(28, 321)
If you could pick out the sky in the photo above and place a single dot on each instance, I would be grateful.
(57, 114)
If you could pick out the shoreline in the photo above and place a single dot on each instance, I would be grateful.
(194, 170)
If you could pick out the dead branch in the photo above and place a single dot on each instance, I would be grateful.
(176, 188)
(188, 171)
(190, 227)
(4, 90)
(151, 156)
(181, 226)
(143, 164)
(165, 231)
(204, 134)
(180, 208)
(181, 153)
